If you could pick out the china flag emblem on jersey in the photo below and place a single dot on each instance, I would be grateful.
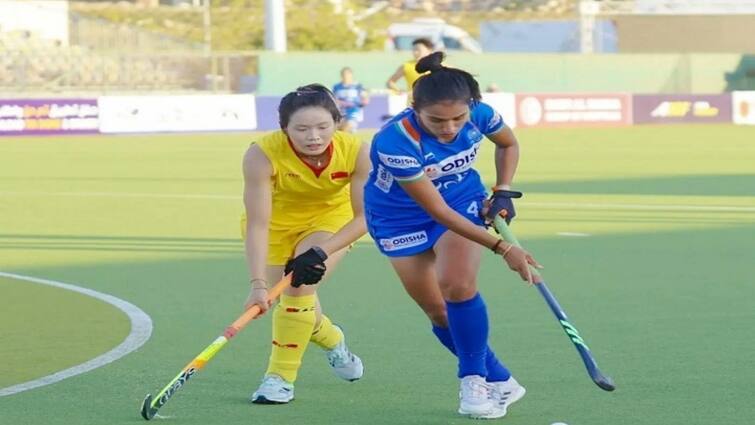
(339, 175)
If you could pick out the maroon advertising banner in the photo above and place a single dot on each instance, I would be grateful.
(573, 109)
(48, 116)
(682, 108)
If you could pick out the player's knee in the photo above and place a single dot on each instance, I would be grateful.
(437, 314)
(458, 290)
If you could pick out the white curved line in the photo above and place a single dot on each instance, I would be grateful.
(141, 329)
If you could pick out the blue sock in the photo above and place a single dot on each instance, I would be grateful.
(444, 336)
(468, 323)
(497, 371)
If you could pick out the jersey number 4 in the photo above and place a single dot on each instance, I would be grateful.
(472, 209)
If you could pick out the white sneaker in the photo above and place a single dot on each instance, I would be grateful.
(507, 392)
(273, 390)
(346, 365)
(475, 399)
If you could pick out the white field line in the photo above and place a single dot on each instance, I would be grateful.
(547, 205)
(639, 207)
(146, 195)
(123, 195)
(141, 329)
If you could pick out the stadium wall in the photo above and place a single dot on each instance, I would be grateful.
(553, 36)
(673, 33)
(556, 73)
(242, 113)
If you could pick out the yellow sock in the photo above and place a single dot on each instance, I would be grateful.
(326, 335)
(293, 322)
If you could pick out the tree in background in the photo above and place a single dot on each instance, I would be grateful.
(338, 25)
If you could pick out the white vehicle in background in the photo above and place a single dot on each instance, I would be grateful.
(443, 36)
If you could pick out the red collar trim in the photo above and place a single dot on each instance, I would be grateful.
(410, 130)
(317, 171)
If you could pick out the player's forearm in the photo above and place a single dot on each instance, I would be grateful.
(348, 234)
(506, 161)
(357, 227)
(426, 196)
(460, 225)
(255, 247)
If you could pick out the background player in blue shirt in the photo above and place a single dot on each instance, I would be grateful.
(421, 186)
(352, 98)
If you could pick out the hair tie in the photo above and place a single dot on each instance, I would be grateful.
(305, 92)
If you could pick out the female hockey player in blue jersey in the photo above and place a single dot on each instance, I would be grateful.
(421, 186)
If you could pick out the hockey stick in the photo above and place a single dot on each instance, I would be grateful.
(597, 376)
(151, 405)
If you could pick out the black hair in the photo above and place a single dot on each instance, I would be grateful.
(425, 42)
(311, 95)
(442, 83)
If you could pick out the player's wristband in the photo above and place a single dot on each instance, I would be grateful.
(263, 286)
(319, 251)
(498, 243)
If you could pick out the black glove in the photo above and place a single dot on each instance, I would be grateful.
(308, 267)
(500, 203)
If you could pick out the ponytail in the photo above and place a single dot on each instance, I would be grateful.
(442, 83)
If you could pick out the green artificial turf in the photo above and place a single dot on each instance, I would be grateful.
(45, 329)
(646, 234)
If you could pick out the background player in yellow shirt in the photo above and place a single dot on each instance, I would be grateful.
(303, 199)
(421, 47)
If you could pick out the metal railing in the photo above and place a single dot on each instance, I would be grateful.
(101, 35)
(74, 70)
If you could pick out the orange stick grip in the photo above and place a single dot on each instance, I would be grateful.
(254, 310)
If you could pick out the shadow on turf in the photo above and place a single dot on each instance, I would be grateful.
(120, 243)
(292, 413)
(234, 246)
(114, 178)
(687, 185)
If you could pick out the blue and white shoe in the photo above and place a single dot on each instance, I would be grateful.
(273, 390)
(507, 392)
(345, 364)
(475, 399)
